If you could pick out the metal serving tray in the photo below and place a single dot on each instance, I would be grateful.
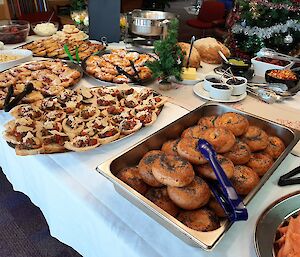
(131, 157)
(107, 83)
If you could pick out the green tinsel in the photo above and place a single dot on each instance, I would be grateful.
(170, 55)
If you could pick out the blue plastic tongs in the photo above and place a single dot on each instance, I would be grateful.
(223, 189)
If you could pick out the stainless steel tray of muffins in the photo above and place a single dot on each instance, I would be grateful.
(131, 157)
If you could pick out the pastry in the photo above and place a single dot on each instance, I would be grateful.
(170, 147)
(206, 170)
(260, 163)
(195, 59)
(187, 148)
(244, 179)
(207, 121)
(275, 147)
(240, 153)
(214, 205)
(172, 170)
(131, 177)
(145, 168)
(194, 195)
(194, 132)
(208, 50)
(160, 197)
(256, 138)
(220, 138)
(235, 122)
(201, 220)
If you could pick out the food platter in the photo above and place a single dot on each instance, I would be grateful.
(82, 119)
(48, 78)
(111, 72)
(54, 48)
(269, 221)
(200, 91)
(131, 157)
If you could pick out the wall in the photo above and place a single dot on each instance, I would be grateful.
(4, 12)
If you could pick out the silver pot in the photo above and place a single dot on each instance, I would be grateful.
(149, 23)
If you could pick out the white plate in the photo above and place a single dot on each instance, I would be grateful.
(25, 56)
(200, 91)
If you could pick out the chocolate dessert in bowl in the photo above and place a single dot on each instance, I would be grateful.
(220, 91)
(211, 79)
(239, 85)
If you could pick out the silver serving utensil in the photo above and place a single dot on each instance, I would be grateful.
(223, 56)
(283, 93)
(192, 44)
(277, 88)
(265, 95)
(270, 85)
(271, 53)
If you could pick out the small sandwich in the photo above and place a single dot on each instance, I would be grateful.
(82, 143)
(29, 144)
(109, 134)
(129, 126)
(147, 117)
(26, 110)
(73, 126)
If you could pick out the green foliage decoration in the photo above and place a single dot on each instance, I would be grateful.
(78, 5)
(170, 60)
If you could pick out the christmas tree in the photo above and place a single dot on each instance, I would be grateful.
(170, 55)
(264, 23)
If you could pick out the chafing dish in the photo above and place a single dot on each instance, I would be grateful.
(149, 23)
(131, 157)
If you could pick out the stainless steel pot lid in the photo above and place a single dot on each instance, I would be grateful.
(153, 15)
(271, 219)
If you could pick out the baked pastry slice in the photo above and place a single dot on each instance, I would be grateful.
(129, 126)
(82, 143)
(29, 144)
(54, 142)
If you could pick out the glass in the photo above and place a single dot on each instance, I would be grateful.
(123, 27)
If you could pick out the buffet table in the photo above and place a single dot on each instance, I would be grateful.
(84, 211)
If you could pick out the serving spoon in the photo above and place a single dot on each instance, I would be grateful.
(189, 57)
(270, 53)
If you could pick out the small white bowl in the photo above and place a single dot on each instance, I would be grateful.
(220, 91)
(24, 54)
(238, 89)
(260, 67)
(44, 28)
(207, 84)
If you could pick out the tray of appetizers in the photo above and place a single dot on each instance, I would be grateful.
(53, 47)
(48, 78)
(113, 67)
(81, 119)
(167, 178)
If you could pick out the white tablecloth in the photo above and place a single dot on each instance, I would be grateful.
(84, 211)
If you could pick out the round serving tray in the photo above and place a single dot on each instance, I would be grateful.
(269, 221)
(70, 64)
(107, 83)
